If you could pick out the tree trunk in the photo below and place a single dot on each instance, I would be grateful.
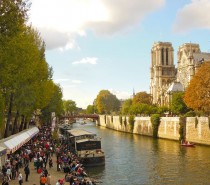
(25, 123)
(9, 116)
(14, 131)
(22, 122)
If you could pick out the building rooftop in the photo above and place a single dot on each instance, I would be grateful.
(175, 87)
(198, 57)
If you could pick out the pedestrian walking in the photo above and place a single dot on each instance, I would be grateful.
(5, 180)
(43, 180)
(20, 178)
(14, 172)
(48, 179)
(27, 172)
(50, 162)
(45, 172)
(9, 172)
(58, 182)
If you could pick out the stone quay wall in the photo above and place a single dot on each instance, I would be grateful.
(197, 128)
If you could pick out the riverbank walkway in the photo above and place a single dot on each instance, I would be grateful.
(34, 177)
(33, 155)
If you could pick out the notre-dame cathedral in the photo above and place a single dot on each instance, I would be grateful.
(165, 77)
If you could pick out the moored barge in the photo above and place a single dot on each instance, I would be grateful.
(87, 147)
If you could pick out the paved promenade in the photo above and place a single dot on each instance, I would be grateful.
(33, 178)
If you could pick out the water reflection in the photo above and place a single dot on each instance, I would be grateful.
(135, 160)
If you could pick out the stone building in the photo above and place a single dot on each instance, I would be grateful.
(165, 77)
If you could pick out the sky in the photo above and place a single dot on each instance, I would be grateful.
(95, 45)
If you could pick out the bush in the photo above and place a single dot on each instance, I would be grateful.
(200, 113)
(105, 119)
(196, 122)
(155, 120)
(190, 114)
(131, 121)
(120, 119)
(182, 128)
(125, 121)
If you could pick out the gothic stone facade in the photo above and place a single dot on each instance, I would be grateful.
(163, 72)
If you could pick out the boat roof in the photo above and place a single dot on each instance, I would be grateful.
(79, 132)
(85, 140)
(65, 126)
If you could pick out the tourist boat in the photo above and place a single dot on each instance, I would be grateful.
(87, 147)
(187, 144)
(63, 128)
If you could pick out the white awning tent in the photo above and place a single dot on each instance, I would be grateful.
(15, 141)
(33, 131)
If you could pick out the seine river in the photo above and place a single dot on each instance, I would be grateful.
(140, 160)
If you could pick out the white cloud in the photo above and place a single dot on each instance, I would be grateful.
(76, 81)
(193, 16)
(60, 21)
(87, 60)
(124, 15)
(121, 94)
(61, 80)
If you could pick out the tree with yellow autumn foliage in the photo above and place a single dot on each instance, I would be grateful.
(197, 95)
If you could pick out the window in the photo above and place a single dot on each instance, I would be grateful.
(162, 56)
(167, 56)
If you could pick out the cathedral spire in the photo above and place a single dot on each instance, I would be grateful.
(190, 53)
(133, 93)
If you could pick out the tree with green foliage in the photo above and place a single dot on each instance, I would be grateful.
(25, 77)
(55, 104)
(162, 109)
(69, 107)
(177, 105)
(24, 74)
(90, 109)
(126, 106)
(142, 97)
(106, 102)
(13, 16)
(140, 108)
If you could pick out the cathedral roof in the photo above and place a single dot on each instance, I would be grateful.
(175, 87)
(200, 57)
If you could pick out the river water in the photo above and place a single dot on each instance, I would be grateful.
(140, 160)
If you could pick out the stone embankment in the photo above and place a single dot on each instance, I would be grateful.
(197, 129)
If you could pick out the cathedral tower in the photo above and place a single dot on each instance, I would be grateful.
(186, 64)
(162, 71)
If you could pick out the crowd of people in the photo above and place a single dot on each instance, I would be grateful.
(41, 150)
